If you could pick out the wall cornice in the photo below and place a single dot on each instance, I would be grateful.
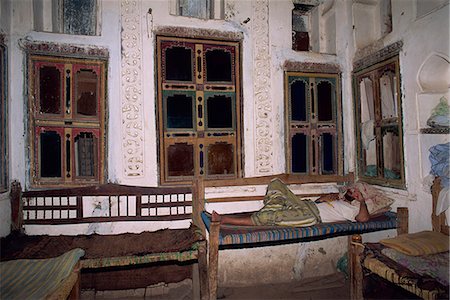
(62, 49)
(374, 54)
(311, 67)
(187, 32)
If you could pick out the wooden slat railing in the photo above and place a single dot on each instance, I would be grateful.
(106, 203)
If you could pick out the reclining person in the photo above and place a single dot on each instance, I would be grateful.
(283, 208)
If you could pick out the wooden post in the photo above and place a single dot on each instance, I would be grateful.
(203, 270)
(213, 258)
(198, 201)
(16, 207)
(402, 220)
(355, 250)
(438, 222)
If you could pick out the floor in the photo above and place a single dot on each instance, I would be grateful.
(330, 287)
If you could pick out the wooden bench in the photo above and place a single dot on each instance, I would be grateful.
(229, 237)
(393, 276)
(122, 203)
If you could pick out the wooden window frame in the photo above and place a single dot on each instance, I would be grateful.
(4, 166)
(379, 124)
(67, 124)
(312, 127)
(199, 136)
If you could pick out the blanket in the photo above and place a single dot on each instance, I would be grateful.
(36, 278)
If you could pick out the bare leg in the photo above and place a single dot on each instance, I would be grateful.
(243, 221)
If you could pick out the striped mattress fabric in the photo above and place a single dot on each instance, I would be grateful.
(36, 278)
(236, 235)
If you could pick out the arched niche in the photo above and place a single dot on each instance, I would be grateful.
(434, 74)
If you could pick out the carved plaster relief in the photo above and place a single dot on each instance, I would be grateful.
(261, 77)
(131, 90)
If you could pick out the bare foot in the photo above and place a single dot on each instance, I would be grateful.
(216, 217)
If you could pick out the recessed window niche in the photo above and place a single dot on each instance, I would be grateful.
(372, 20)
(79, 17)
(202, 9)
(314, 26)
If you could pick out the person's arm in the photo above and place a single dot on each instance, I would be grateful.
(363, 215)
(327, 198)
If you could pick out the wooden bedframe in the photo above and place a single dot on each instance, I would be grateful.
(124, 203)
(362, 269)
(222, 236)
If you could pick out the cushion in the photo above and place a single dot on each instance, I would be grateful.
(420, 243)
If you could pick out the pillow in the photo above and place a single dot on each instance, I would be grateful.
(380, 211)
(419, 243)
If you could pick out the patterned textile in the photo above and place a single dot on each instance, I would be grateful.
(36, 278)
(435, 266)
(419, 243)
(282, 207)
(439, 158)
(236, 235)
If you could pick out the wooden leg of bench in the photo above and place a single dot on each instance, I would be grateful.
(354, 259)
(402, 219)
(213, 259)
(203, 270)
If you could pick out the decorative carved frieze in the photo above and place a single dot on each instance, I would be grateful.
(61, 49)
(371, 55)
(199, 33)
(131, 90)
(297, 66)
(261, 76)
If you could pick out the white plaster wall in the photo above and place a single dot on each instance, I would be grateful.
(284, 263)
(423, 36)
(105, 227)
(5, 16)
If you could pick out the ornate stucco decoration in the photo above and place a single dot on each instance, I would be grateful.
(131, 90)
(199, 33)
(261, 79)
(62, 49)
(311, 67)
(374, 54)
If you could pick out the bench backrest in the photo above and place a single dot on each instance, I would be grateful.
(105, 203)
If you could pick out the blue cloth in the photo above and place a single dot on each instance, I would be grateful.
(439, 158)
